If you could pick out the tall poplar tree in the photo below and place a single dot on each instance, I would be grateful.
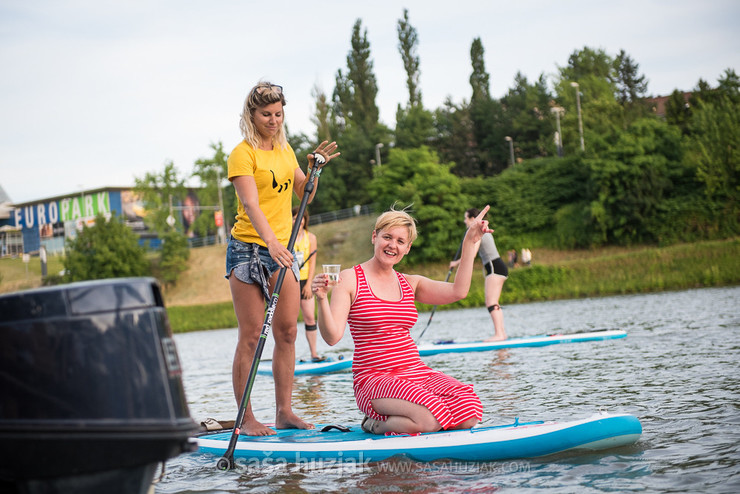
(407, 44)
(487, 120)
(357, 117)
(414, 124)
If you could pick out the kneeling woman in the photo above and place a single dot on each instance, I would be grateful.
(393, 387)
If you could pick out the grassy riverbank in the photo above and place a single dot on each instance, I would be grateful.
(201, 299)
(553, 275)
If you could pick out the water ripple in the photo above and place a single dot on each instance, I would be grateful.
(677, 371)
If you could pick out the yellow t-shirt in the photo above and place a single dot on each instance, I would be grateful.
(274, 172)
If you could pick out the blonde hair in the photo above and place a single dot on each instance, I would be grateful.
(261, 95)
(394, 218)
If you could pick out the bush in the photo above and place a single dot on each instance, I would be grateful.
(108, 249)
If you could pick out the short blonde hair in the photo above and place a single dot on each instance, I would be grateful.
(394, 218)
(261, 95)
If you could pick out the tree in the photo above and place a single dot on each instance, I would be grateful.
(359, 130)
(714, 145)
(630, 86)
(632, 180)
(729, 85)
(414, 124)
(407, 44)
(414, 127)
(479, 79)
(455, 142)
(322, 115)
(527, 114)
(486, 116)
(211, 173)
(603, 117)
(363, 86)
(587, 63)
(156, 191)
(173, 257)
(107, 249)
(678, 111)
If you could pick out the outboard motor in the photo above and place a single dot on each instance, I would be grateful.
(91, 393)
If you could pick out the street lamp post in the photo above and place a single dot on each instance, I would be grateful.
(557, 110)
(221, 229)
(580, 120)
(377, 153)
(511, 148)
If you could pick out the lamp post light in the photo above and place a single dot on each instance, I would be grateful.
(511, 148)
(377, 152)
(558, 110)
(580, 120)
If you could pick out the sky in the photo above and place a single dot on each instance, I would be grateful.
(96, 93)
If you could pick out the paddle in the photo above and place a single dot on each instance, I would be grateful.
(434, 309)
(309, 257)
(226, 462)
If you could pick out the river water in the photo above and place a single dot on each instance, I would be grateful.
(678, 371)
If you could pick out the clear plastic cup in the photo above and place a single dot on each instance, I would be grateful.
(332, 272)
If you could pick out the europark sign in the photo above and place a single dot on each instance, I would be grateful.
(68, 209)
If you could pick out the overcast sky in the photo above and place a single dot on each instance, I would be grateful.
(94, 93)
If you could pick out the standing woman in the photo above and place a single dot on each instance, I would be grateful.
(393, 387)
(305, 251)
(265, 173)
(495, 272)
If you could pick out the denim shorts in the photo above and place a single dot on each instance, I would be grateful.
(252, 263)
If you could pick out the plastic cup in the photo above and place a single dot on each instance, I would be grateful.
(332, 273)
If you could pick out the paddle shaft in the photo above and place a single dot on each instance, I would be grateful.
(309, 257)
(227, 461)
(447, 278)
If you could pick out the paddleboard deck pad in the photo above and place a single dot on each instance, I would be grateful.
(341, 363)
(489, 443)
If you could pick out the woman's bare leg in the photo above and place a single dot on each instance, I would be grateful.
(494, 284)
(248, 307)
(284, 326)
(404, 417)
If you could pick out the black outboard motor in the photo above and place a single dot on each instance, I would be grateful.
(91, 394)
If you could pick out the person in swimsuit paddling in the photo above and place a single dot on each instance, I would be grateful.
(496, 274)
(395, 390)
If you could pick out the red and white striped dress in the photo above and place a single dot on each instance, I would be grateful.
(387, 364)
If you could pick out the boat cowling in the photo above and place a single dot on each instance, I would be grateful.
(92, 391)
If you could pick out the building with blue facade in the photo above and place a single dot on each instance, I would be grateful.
(50, 222)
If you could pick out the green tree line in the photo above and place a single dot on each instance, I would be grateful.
(637, 178)
(580, 160)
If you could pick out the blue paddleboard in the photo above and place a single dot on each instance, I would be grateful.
(330, 364)
(340, 364)
(518, 440)
(528, 341)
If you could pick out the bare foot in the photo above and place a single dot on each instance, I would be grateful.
(289, 420)
(251, 427)
(496, 338)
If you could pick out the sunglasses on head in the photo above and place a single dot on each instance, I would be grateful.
(263, 88)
